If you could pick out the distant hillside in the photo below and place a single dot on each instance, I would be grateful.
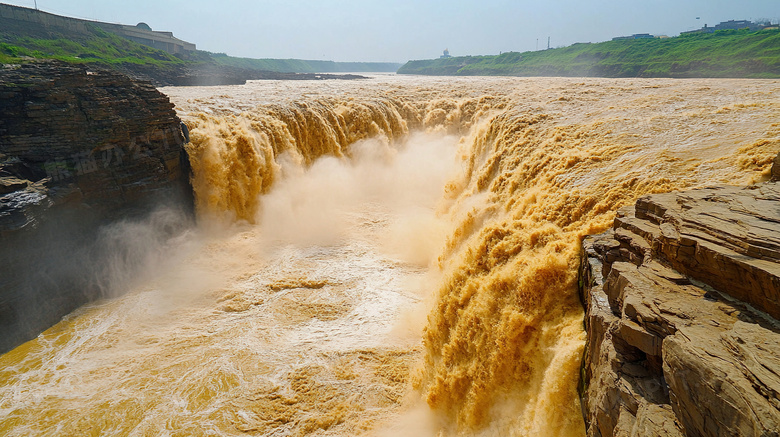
(728, 53)
(89, 44)
(84, 42)
(97, 47)
(304, 66)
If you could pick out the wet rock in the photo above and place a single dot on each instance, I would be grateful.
(681, 300)
(78, 150)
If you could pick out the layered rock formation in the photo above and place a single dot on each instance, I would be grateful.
(210, 75)
(682, 301)
(78, 149)
(206, 74)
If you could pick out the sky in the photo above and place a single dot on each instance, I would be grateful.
(402, 30)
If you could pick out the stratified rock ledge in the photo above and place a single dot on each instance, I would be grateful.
(682, 299)
(79, 149)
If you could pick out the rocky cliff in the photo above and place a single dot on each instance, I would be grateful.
(682, 302)
(79, 150)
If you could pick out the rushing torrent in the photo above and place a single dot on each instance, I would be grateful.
(395, 256)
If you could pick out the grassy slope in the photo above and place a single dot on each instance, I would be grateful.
(97, 47)
(738, 53)
(106, 49)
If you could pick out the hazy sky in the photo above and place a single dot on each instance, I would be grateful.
(400, 30)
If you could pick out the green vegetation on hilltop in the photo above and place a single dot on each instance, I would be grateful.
(95, 47)
(99, 47)
(729, 53)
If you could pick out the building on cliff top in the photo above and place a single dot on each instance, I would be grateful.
(143, 34)
(731, 25)
(634, 36)
(140, 33)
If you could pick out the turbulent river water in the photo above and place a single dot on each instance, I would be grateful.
(391, 256)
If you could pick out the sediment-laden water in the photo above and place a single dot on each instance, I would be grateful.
(394, 256)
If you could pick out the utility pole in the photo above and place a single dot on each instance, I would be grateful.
(36, 5)
(548, 43)
(537, 44)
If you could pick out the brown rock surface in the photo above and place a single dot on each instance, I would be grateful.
(776, 168)
(78, 150)
(114, 138)
(682, 300)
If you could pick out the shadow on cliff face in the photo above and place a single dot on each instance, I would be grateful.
(94, 181)
(74, 258)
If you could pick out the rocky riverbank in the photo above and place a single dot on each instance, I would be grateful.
(215, 75)
(79, 150)
(682, 302)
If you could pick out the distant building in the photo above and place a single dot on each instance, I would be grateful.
(634, 36)
(729, 25)
(740, 24)
(143, 34)
(446, 54)
(704, 29)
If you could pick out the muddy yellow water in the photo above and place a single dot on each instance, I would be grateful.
(393, 256)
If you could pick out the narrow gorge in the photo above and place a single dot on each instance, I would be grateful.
(405, 256)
